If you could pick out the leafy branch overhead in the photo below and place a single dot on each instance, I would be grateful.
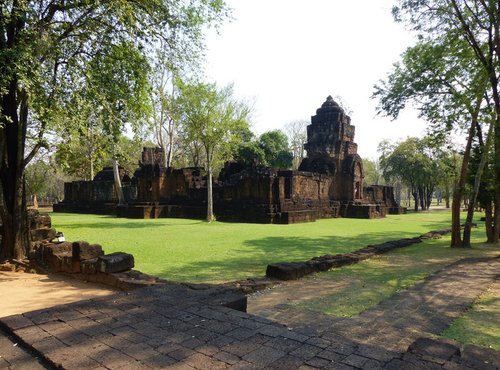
(95, 54)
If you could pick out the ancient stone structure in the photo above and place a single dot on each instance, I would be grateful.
(97, 196)
(329, 183)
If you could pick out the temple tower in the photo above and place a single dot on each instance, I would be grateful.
(331, 150)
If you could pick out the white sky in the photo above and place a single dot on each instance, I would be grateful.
(289, 55)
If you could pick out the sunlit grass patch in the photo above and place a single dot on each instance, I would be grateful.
(481, 324)
(193, 250)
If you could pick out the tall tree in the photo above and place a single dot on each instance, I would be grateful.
(442, 79)
(165, 119)
(372, 172)
(44, 45)
(297, 137)
(476, 23)
(413, 162)
(212, 117)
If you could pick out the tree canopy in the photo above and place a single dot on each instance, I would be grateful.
(212, 117)
(46, 48)
(453, 75)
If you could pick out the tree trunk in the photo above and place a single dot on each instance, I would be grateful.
(447, 196)
(414, 192)
(496, 216)
(421, 197)
(118, 183)
(210, 198)
(488, 213)
(430, 191)
(477, 183)
(456, 240)
(91, 168)
(13, 213)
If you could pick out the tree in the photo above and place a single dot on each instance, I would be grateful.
(477, 24)
(250, 154)
(372, 172)
(165, 117)
(276, 152)
(441, 77)
(212, 117)
(44, 45)
(297, 137)
(44, 179)
(412, 162)
(83, 153)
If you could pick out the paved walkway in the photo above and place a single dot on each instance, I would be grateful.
(14, 356)
(185, 327)
(424, 309)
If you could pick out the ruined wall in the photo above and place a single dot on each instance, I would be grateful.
(329, 183)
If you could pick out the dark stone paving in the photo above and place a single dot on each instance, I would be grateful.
(14, 356)
(180, 327)
(426, 308)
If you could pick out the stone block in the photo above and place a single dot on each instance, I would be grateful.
(58, 257)
(89, 266)
(82, 251)
(39, 220)
(115, 262)
(288, 270)
(322, 263)
(42, 234)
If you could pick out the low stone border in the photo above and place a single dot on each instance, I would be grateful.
(296, 270)
(450, 351)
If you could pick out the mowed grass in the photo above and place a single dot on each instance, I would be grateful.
(481, 324)
(192, 250)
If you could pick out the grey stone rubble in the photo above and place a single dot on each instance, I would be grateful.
(183, 327)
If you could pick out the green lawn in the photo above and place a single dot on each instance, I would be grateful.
(191, 250)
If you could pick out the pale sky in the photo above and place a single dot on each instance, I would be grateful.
(287, 56)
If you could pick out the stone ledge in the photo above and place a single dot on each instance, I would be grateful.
(297, 270)
(454, 354)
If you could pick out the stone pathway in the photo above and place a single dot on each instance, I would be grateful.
(186, 327)
(424, 309)
(14, 357)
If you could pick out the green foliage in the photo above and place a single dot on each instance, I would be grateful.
(44, 180)
(441, 77)
(83, 156)
(250, 154)
(276, 152)
(118, 86)
(212, 117)
(416, 163)
(372, 172)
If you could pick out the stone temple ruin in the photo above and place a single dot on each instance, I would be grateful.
(328, 183)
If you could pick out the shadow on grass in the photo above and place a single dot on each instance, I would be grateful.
(113, 222)
(252, 259)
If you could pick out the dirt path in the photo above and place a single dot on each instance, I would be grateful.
(23, 292)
